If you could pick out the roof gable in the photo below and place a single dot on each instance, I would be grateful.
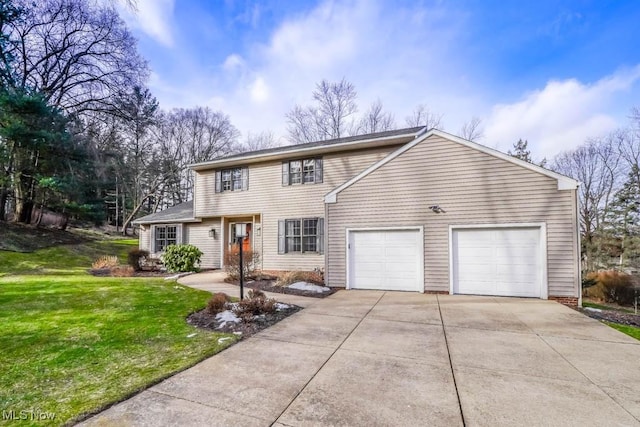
(564, 182)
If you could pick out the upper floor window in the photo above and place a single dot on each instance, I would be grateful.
(234, 179)
(303, 171)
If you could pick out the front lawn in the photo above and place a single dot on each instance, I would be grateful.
(71, 343)
(632, 331)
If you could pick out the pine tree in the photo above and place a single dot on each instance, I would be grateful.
(520, 151)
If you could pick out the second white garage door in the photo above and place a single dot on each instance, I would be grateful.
(497, 261)
(386, 260)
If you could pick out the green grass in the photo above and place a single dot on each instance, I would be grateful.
(72, 343)
(632, 331)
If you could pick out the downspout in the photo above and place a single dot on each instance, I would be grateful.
(578, 239)
(326, 243)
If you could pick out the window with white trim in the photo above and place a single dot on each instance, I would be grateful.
(233, 179)
(302, 171)
(301, 235)
(165, 235)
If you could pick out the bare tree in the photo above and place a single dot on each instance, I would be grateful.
(329, 118)
(190, 136)
(376, 120)
(472, 130)
(423, 116)
(77, 53)
(258, 141)
(596, 164)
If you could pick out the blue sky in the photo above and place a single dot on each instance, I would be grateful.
(552, 72)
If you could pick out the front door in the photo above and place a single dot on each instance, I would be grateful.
(246, 244)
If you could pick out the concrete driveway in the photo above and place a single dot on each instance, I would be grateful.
(389, 358)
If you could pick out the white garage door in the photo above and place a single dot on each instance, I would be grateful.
(386, 260)
(497, 261)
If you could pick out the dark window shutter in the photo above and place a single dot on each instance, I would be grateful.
(320, 234)
(245, 179)
(218, 181)
(285, 173)
(318, 171)
(281, 246)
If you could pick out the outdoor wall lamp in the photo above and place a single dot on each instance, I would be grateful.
(437, 209)
(212, 233)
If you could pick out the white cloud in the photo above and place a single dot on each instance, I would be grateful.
(232, 62)
(259, 91)
(560, 116)
(397, 54)
(153, 17)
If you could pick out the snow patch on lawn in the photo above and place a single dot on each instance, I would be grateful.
(225, 317)
(306, 286)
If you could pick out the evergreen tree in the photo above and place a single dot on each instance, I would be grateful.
(522, 152)
(622, 221)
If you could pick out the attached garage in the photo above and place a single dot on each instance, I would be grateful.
(386, 259)
(494, 260)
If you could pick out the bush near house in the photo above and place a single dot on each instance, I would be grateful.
(255, 304)
(218, 302)
(250, 260)
(289, 277)
(136, 257)
(610, 286)
(181, 258)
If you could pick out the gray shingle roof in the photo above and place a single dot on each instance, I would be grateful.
(329, 142)
(177, 213)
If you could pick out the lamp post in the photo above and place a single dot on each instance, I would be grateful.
(241, 234)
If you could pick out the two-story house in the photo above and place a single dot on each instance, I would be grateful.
(410, 209)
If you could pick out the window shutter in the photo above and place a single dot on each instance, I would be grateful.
(245, 179)
(152, 240)
(281, 246)
(320, 236)
(285, 173)
(218, 181)
(318, 178)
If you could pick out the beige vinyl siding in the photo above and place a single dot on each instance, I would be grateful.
(144, 238)
(473, 188)
(271, 200)
(198, 235)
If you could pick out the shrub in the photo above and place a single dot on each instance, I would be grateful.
(218, 302)
(105, 261)
(289, 277)
(179, 258)
(122, 271)
(255, 304)
(232, 262)
(611, 286)
(135, 257)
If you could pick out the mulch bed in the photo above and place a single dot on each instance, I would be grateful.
(267, 285)
(613, 316)
(205, 320)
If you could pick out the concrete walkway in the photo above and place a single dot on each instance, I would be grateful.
(213, 281)
(388, 358)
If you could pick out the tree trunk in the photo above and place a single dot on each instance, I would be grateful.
(133, 214)
(4, 194)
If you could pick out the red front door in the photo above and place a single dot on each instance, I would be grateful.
(246, 244)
